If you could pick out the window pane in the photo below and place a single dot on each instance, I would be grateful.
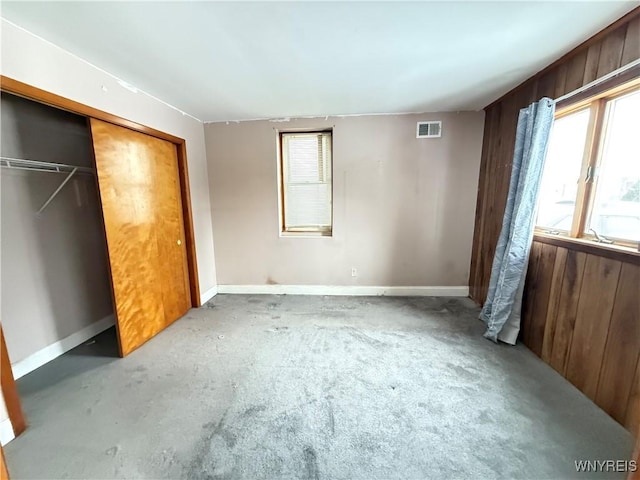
(307, 182)
(304, 159)
(616, 206)
(559, 186)
(308, 205)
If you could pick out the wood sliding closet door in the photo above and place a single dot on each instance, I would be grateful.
(139, 188)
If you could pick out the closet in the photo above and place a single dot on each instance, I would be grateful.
(93, 229)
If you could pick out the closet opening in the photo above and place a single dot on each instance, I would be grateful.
(76, 285)
(56, 293)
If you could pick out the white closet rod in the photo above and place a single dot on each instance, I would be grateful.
(36, 165)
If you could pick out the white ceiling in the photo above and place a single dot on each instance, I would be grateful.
(237, 61)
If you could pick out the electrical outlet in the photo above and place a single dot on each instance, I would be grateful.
(354, 272)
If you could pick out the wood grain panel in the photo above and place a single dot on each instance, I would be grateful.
(632, 417)
(561, 81)
(567, 310)
(631, 48)
(529, 294)
(591, 65)
(575, 72)
(170, 232)
(549, 323)
(599, 285)
(546, 85)
(9, 390)
(611, 52)
(537, 315)
(476, 258)
(133, 195)
(622, 347)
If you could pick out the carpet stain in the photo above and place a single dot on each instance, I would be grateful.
(311, 463)
(331, 419)
(364, 338)
(113, 451)
(251, 411)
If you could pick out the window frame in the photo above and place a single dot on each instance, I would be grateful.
(592, 161)
(302, 232)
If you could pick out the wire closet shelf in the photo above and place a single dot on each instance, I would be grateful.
(39, 166)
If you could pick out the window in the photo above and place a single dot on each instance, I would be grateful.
(591, 181)
(306, 185)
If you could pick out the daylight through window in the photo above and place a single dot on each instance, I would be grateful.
(591, 181)
(306, 185)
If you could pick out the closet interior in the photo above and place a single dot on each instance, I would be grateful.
(55, 277)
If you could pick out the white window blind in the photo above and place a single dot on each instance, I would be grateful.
(306, 179)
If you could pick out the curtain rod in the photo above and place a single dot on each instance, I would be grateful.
(598, 81)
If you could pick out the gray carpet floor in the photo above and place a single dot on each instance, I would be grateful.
(252, 387)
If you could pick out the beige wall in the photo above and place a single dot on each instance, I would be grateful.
(32, 60)
(403, 207)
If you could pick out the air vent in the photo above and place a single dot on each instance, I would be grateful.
(429, 130)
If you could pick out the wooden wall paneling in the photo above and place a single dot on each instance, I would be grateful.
(530, 290)
(599, 285)
(476, 257)
(575, 72)
(557, 280)
(632, 416)
(9, 390)
(547, 85)
(567, 310)
(565, 343)
(631, 48)
(591, 65)
(537, 316)
(487, 250)
(561, 81)
(611, 51)
(622, 348)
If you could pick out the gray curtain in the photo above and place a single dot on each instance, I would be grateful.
(501, 311)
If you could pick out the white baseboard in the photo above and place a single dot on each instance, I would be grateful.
(6, 432)
(54, 350)
(347, 290)
(208, 295)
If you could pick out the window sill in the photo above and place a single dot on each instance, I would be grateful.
(306, 234)
(615, 252)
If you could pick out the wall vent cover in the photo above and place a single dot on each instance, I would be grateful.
(429, 130)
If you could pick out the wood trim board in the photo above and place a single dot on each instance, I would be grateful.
(9, 390)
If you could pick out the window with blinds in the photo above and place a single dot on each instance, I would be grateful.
(306, 182)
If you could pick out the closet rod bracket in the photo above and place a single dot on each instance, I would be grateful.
(57, 190)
